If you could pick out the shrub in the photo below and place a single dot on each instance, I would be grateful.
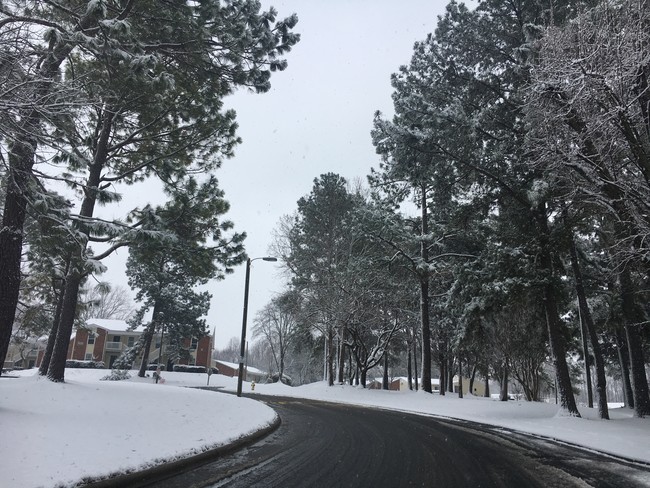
(75, 363)
(117, 375)
(186, 368)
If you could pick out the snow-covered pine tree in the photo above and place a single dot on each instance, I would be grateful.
(187, 245)
(318, 245)
(149, 91)
(463, 92)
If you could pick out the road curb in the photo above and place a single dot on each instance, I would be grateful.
(147, 476)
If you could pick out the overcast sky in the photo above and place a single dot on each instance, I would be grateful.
(315, 119)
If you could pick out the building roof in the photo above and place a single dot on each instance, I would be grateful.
(250, 369)
(112, 325)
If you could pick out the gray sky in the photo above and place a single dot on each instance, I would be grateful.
(315, 119)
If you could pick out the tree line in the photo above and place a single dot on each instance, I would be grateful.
(95, 98)
(505, 227)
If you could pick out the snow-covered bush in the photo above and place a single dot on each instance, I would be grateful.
(117, 375)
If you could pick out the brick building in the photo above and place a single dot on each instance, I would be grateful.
(104, 340)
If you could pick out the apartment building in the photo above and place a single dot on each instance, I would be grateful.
(105, 340)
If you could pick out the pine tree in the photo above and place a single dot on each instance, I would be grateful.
(153, 93)
(317, 250)
(589, 95)
(187, 245)
(459, 114)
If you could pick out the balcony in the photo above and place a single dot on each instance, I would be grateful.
(114, 346)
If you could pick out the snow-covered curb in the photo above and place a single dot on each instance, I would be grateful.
(185, 461)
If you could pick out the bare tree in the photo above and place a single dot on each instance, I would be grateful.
(104, 301)
(276, 323)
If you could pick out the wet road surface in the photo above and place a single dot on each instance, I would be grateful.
(331, 445)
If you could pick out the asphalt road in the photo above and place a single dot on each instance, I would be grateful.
(331, 445)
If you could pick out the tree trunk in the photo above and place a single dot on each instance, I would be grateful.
(341, 375)
(56, 370)
(409, 368)
(472, 377)
(384, 380)
(146, 348)
(21, 161)
(564, 389)
(487, 385)
(553, 321)
(587, 362)
(623, 359)
(364, 372)
(49, 347)
(352, 375)
(424, 298)
(281, 367)
(503, 394)
(588, 327)
(76, 274)
(21, 157)
(51, 339)
(442, 381)
(330, 356)
(415, 360)
(637, 367)
(450, 373)
(633, 318)
(460, 378)
(426, 335)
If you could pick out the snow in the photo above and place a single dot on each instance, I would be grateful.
(112, 325)
(57, 433)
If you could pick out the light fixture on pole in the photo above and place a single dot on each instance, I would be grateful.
(242, 350)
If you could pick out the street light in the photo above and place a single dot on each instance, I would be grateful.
(242, 349)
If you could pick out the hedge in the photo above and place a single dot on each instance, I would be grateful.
(75, 363)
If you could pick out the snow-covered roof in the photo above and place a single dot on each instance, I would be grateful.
(250, 369)
(111, 325)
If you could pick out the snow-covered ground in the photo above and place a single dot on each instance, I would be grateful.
(55, 434)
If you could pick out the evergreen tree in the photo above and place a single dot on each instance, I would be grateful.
(589, 96)
(317, 251)
(459, 104)
(154, 96)
(187, 245)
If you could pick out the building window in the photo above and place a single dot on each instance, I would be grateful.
(91, 338)
(89, 356)
(131, 341)
(195, 343)
(117, 338)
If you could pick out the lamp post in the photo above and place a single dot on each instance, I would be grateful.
(242, 349)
